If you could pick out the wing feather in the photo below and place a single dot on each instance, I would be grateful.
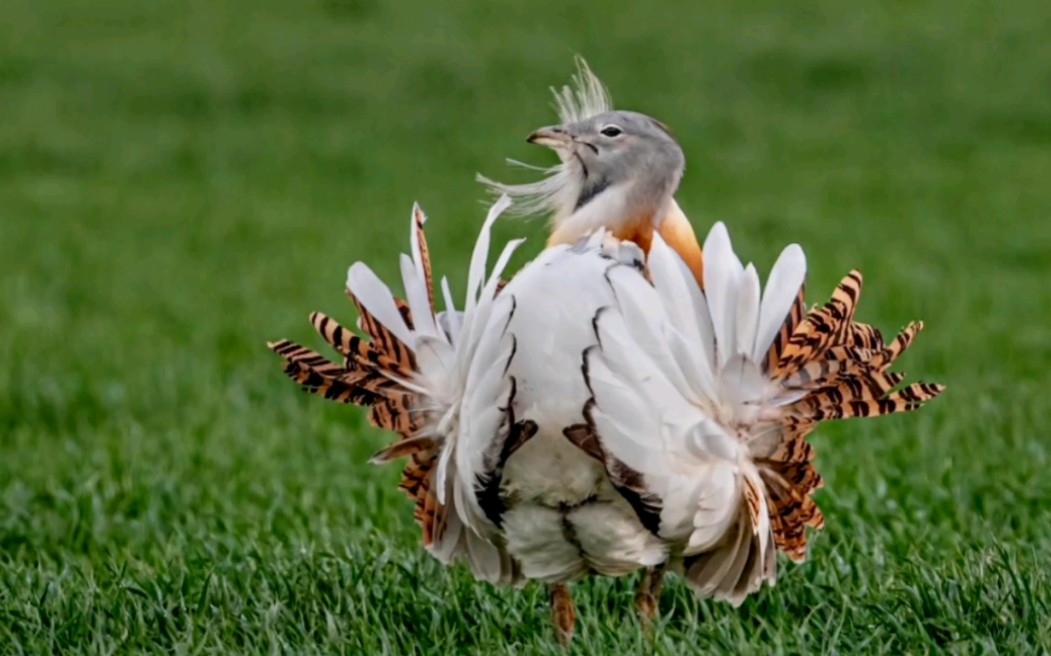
(711, 396)
(409, 368)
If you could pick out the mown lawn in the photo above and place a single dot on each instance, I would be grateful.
(180, 182)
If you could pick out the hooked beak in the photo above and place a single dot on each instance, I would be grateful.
(554, 137)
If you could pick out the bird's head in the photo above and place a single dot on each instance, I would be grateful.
(616, 150)
(617, 163)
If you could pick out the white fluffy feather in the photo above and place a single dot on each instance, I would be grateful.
(449, 361)
(679, 390)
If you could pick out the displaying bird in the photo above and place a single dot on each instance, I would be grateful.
(601, 413)
(622, 403)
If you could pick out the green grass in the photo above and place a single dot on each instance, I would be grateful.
(180, 184)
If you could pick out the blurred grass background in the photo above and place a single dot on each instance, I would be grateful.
(180, 182)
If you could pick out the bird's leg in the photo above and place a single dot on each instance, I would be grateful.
(647, 599)
(562, 612)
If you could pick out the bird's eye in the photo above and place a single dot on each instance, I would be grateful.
(611, 131)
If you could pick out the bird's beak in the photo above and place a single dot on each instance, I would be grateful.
(554, 137)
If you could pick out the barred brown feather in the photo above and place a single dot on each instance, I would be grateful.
(843, 366)
(418, 219)
(371, 376)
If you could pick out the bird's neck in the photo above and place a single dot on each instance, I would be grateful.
(613, 211)
(676, 231)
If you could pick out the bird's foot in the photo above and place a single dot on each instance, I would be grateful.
(562, 613)
(647, 606)
(647, 599)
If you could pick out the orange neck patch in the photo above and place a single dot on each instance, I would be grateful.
(675, 230)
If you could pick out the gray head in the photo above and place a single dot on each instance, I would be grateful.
(603, 151)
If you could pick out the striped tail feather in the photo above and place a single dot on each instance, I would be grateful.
(373, 375)
(321, 377)
(364, 379)
(842, 367)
